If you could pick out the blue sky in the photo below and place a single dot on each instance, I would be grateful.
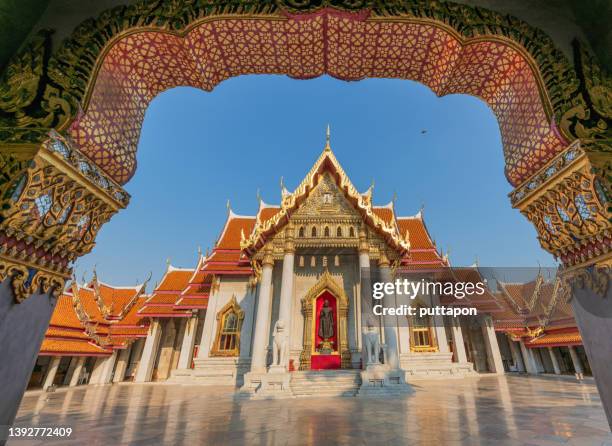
(199, 149)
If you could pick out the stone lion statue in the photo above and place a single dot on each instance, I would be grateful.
(279, 344)
(371, 342)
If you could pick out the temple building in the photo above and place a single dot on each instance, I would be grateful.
(95, 335)
(277, 303)
(542, 336)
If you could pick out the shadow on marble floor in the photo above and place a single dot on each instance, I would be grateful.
(490, 410)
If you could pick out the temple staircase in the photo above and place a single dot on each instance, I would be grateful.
(322, 383)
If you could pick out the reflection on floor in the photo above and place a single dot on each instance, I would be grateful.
(507, 410)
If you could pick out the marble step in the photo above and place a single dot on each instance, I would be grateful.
(325, 383)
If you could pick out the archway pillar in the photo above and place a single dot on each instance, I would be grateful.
(568, 201)
(54, 201)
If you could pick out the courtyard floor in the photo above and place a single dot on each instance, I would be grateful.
(507, 410)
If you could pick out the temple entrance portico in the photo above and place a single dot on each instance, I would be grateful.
(73, 111)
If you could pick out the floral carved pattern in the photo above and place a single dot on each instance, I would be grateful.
(141, 65)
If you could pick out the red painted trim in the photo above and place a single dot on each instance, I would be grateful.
(60, 327)
(162, 315)
(231, 272)
(66, 338)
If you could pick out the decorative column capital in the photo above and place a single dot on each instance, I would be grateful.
(364, 246)
(383, 260)
(568, 201)
(268, 258)
(595, 278)
(289, 246)
(54, 202)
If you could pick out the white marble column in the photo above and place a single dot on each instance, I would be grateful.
(51, 372)
(189, 337)
(493, 355)
(107, 368)
(262, 323)
(149, 352)
(537, 358)
(516, 355)
(76, 373)
(286, 293)
(576, 359)
(458, 344)
(555, 361)
(390, 328)
(530, 364)
(137, 347)
(70, 371)
(439, 327)
(96, 371)
(122, 364)
(364, 282)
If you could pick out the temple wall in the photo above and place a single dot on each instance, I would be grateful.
(22, 329)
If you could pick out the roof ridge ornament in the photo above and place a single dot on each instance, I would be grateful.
(327, 139)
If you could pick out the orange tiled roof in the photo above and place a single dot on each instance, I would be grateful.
(520, 293)
(192, 302)
(175, 279)
(162, 299)
(234, 227)
(71, 348)
(163, 311)
(64, 314)
(384, 212)
(132, 317)
(417, 232)
(555, 339)
(267, 212)
(87, 298)
(82, 323)
(63, 333)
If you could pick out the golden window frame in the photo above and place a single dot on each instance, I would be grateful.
(433, 342)
(230, 307)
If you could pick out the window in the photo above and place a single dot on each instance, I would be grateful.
(229, 332)
(351, 232)
(229, 322)
(326, 231)
(421, 333)
(339, 231)
(313, 232)
(301, 260)
(301, 233)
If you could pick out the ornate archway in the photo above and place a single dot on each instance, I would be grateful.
(325, 288)
(554, 117)
(70, 118)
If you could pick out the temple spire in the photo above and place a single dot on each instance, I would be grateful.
(327, 138)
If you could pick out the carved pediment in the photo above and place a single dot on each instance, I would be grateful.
(326, 201)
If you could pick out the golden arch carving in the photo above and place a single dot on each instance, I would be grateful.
(325, 283)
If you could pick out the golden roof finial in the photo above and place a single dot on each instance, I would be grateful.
(327, 138)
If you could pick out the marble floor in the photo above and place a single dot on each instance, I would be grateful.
(507, 410)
